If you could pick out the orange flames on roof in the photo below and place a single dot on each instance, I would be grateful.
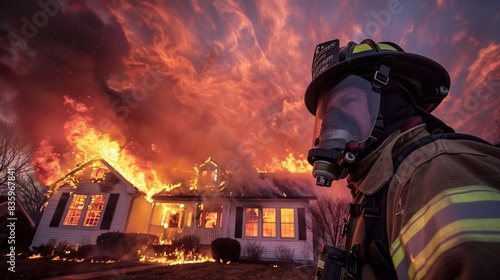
(289, 163)
(88, 143)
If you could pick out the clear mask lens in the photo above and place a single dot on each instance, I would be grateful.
(346, 112)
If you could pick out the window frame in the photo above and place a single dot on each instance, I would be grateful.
(210, 208)
(275, 223)
(83, 215)
(278, 223)
(246, 221)
(293, 223)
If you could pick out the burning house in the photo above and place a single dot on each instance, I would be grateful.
(95, 198)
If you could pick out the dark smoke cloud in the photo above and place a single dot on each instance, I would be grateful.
(179, 81)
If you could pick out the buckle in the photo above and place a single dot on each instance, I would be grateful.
(345, 228)
(380, 78)
(351, 263)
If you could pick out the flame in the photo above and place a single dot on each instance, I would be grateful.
(58, 258)
(87, 144)
(35, 256)
(290, 164)
(177, 257)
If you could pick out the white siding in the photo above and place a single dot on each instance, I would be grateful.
(302, 249)
(81, 235)
(140, 212)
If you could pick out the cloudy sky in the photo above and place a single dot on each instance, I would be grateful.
(175, 82)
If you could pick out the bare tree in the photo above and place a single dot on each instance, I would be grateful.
(32, 195)
(16, 154)
(327, 214)
(15, 151)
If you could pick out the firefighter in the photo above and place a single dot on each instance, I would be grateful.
(437, 214)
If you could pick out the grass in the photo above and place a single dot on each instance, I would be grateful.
(47, 268)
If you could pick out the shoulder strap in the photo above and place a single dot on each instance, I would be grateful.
(374, 210)
(397, 160)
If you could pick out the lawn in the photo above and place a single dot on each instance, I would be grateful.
(47, 268)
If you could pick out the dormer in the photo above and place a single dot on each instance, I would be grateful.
(211, 176)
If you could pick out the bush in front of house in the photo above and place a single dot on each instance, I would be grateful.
(53, 248)
(226, 249)
(121, 245)
(254, 251)
(284, 255)
(187, 243)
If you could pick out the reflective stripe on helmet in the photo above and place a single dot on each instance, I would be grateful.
(453, 217)
(361, 48)
(386, 47)
(366, 47)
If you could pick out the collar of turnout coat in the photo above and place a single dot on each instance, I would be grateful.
(376, 169)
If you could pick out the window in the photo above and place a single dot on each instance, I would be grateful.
(251, 222)
(210, 217)
(75, 210)
(269, 222)
(94, 210)
(287, 222)
(263, 222)
(90, 205)
(171, 215)
(97, 174)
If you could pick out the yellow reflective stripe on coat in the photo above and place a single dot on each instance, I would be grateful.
(453, 217)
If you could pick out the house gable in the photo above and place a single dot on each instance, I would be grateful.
(88, 201)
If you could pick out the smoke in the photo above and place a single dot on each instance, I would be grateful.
(178, 82)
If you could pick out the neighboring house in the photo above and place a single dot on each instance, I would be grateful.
(94, 199)
(24, 224)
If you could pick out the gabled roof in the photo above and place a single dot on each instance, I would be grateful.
(284, 185)
(68, 178)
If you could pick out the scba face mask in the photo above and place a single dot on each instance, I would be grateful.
(345, 118)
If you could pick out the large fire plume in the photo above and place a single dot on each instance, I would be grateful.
(173, 83)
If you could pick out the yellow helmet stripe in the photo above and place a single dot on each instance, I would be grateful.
(361, 48)
(386, 47)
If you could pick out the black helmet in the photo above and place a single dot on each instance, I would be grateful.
(427, 81)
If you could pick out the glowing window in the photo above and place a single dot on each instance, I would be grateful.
(75, 210)
(268, 222)
(94, 210)
(251, 222)
(98, 174)
(173, 220)
(287, 222)
(211, 219)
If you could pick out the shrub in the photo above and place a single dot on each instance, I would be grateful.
(187, 243)
(284, 254)
(254, 251)
(46, 249)
(85, 251)
(226, 249)
(119, 245)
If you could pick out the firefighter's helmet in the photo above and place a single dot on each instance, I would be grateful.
(427, 80)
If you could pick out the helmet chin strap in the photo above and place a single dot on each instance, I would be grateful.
(380, 79)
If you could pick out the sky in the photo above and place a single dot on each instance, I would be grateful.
(176, 82)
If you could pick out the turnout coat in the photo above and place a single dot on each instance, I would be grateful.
(443, 207)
